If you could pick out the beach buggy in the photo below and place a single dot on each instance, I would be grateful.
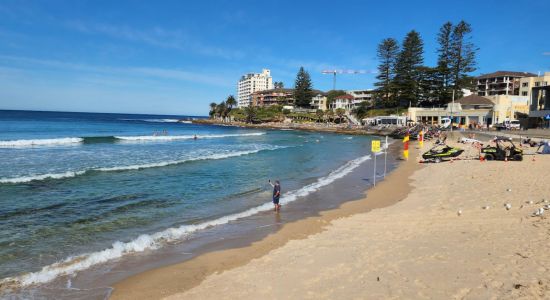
(440, 152)
(504, 149)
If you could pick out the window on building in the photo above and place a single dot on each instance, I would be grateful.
(537, 83)
(545, 83)
(525, 84)
(524, 93)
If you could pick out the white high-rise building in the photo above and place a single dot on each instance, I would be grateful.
(253, 82)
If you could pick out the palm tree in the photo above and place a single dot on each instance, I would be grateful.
(250, 113)
(230, 102)
(221, 110)
(213, 107)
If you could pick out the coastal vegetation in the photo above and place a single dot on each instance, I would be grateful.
(403, 80)
(303, 89)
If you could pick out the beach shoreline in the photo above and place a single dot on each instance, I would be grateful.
(179, 277)
(462, 229)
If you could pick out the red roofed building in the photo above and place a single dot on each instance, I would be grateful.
(345, 102)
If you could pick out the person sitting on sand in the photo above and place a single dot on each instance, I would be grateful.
(276, 194)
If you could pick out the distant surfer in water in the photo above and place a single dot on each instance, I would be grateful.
(195, 137)
(276, 194)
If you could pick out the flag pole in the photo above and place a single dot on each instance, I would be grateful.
(385, 156)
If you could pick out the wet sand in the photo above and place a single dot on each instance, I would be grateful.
(177, 278)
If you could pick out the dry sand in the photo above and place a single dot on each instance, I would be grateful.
(418, 248)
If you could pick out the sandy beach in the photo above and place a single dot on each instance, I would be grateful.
(451, 236)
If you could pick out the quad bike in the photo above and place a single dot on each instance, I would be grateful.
(504, 149)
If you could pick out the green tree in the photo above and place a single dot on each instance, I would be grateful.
(320, 114)
(407, 69)
(330, 115)
(333, 94)
(303, 91)
(221, 110)
(362, 110)
(462, 56)
(444, 74)
(213, 109)
(340, 112)
(387, 54)
(250, 114)
(278, 85)
(429, 83)
(230, 102)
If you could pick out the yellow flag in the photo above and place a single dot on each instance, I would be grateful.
(406, 154)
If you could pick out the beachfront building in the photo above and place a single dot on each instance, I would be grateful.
(285, 97)
(473, 110)
(537, 90)
(362, 96)
(319, 101)
(345, 102)
(250, 83)
(272, 97)
(500, 83)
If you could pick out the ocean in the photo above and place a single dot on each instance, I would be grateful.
(82, 194)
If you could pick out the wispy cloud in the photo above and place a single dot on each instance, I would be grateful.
(546, 53)
(158, 37)
(143, 72)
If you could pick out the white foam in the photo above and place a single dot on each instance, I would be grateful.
(69, 174)
(155, 120)
(184, 137)
(175, 162)
(39, 142)
(30, 178)
(144, 242)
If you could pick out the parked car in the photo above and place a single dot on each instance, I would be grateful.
(512, 125)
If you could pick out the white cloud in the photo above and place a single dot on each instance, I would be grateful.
(30, 64)
(158, 37)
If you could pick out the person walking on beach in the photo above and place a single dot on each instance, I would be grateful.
(276, 194)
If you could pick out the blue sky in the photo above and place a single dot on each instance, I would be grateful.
(175, 57)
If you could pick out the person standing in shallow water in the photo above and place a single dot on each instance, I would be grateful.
(276, 194)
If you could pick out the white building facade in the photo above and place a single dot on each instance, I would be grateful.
(250, 83)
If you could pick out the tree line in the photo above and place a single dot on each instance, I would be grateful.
(404, 80)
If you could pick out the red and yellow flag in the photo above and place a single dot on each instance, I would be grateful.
(406, 147)
(421, 138)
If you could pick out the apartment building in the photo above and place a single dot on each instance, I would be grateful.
(273, 97)
(285, 97)
(537, 89)
(362, 95)
(500, 83)
(250, 83)
(319, 101)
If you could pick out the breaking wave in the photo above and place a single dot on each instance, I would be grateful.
(112, 139)
(40, 142)
(144, 242)
(69, 174)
